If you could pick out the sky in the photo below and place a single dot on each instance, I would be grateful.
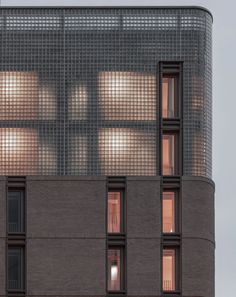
(224, 106)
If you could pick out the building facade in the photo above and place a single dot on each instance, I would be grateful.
(105, 152)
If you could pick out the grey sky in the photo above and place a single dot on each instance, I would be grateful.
(224, 106)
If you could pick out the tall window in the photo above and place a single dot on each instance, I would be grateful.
(15, 268)
(168, 212)
(169, 96)
(115, 269)
(115, 212)
(169, 269)
(169, 154)
(16, 211)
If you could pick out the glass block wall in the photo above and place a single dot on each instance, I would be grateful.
(79, 89)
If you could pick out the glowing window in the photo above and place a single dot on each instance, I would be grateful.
(169, 268)
(18, 95)
(114, 212)
(114, 269)
(168, 212)
(125, 151)
(19, 150)
(169, 97)
(168, 154)
(127, 95)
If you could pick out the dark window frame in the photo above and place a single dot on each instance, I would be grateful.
(22, 210)
(22, 286)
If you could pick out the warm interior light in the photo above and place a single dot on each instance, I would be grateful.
(169, 270)
(18, 95)
(127, 151)
(168, 154)
(168, 210)
(113, 212)
(114, 271)
(127, 95)
(114, 281)
(168, 97)
(18, 151)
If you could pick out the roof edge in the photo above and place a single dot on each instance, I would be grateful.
(109, 7)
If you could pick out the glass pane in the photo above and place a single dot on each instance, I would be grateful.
(169, 270)
(15, 268)
(168, 97)
(15, 211)
(114, 212)
(114, 273)
(168, 154)
(168, 209)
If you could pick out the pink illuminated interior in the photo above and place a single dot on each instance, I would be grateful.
(168, 154)
(114, 272)
(18, 95)
(113, 212)
(168, 212)
(169, 270)
(127, 151)
(168, 97)
(19, 150)
(127, 95)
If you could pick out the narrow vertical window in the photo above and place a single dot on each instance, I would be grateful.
(15, 211)
(169, 269)
(115, 266)
(168, 154)
(168, 212)
(114, 212)
(15, 268)
(169, 96)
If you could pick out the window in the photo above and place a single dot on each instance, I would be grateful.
(170, 96)
(169, 269)
(15, 211)
(168, 212)
(169, 154)
(15, 268)
(115, 212)
(115, 269)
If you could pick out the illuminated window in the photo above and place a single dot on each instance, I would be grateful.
(127, 95)
(168, 212)
(19, 150)
(169, 96)
(115, 267)
(169, 269)
(15, 211)
(114, 212)
(15, 268)
(125, 151)
(169, 154)
(24, 97)
(19, 95)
